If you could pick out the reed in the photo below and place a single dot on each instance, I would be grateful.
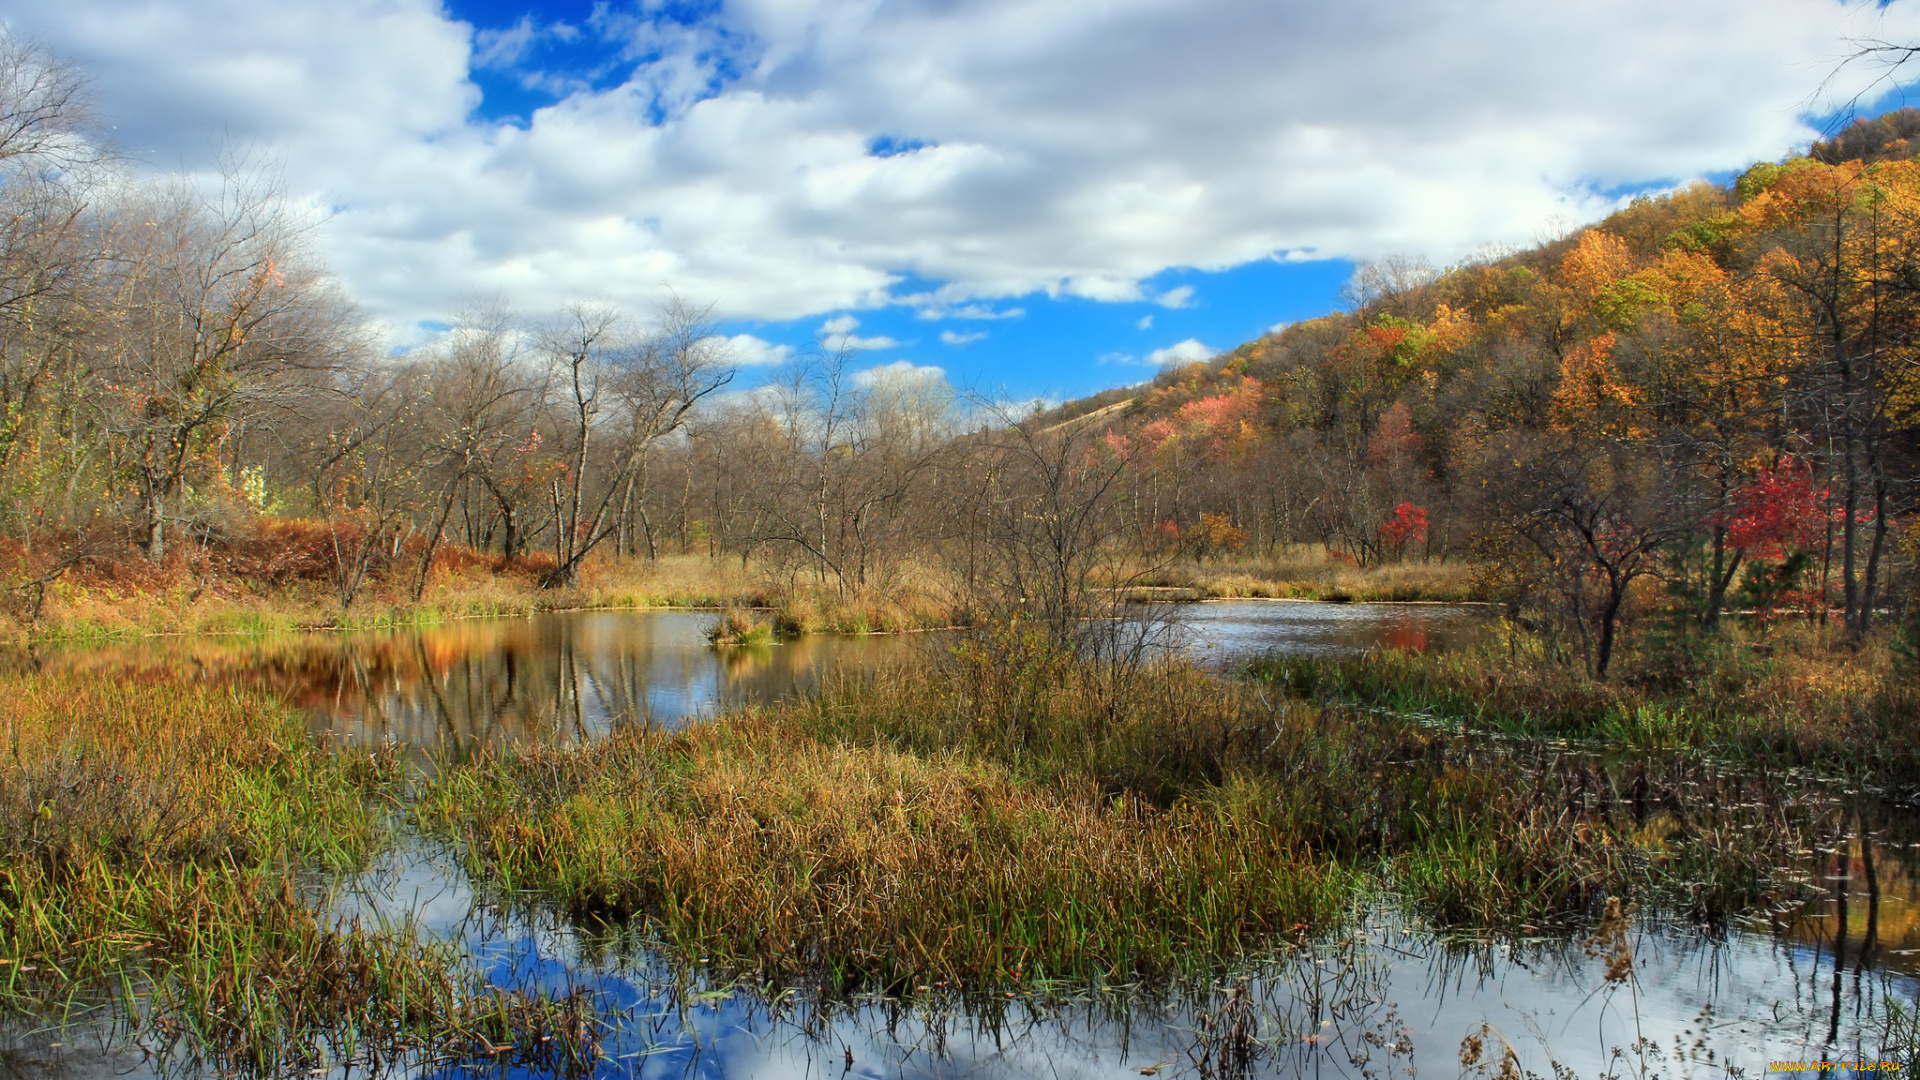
(1793, 697)
(1011, 812)
(161, 847)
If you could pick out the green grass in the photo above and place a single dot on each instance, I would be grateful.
(161, 841)
(1795, 698)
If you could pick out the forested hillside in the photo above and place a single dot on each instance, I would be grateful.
(1716, 390)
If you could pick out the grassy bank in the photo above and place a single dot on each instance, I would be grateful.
(1799, 696)
(1308, 572)
(160, 846)
(128, 597)
(1004, 813)
(283, 579)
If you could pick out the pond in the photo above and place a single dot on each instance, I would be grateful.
(568, 676)
(1832, 979)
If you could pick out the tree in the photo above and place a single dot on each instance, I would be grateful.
(216, 318)
(479, 409)
(1845, 245)
(1591, 511)
(1046, 512)
(634, 392)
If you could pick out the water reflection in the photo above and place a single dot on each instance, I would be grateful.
(567, 676)
(556, 677)
(1233, 632)
(1379, 1001)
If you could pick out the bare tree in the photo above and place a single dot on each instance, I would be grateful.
(631, 393)
(1591, 511)
(44, 111)
(1048, 521)
(217, 317)
(479, 408)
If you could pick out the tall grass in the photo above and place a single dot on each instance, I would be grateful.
(128, 597)
(749, 841)
(1310, 572)
(1010, 811)
(160, 842)
(1796, 698)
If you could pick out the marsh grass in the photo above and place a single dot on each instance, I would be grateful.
(751, 842)
(737, 627)
(1793, 697)
(1008, 812)
(1309, 572)
(161, 848)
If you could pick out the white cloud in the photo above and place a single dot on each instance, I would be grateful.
(1175, 298)
(504, 48)
(899, 373)
(836, 334)
(730, 159)
(747, 350)
(1183, 352)
(951, 338)
(934, 310)
(1145, 322)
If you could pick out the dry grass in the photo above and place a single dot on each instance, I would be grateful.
(1796, 695)
(201, 592)
(1004, 812)
(159, 840)
(753, 843)
(1311, 572)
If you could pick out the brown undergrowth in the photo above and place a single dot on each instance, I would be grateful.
(1792, 696)
(278, 574)
(160, 846)
(971, 819)
(1308, 572)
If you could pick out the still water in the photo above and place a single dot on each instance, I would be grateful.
(569, 676)
(1832, 978)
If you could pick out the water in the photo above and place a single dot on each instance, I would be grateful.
(556, 677)
(1833, 978)
(561, 677)
(1226, 633)
(1391, 993)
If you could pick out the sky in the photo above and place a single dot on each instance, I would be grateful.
(1040, 198)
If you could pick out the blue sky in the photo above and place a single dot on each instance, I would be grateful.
(1118, 183)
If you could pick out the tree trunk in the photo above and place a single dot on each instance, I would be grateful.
(156, 528)
(1609, 616)
(1868, 594)
(433, 543)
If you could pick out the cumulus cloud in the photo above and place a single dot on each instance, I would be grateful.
(837, 334)
(734, 157)
(900, 373)
(950, 337)
(1145, 322)
(747, 350)
(1183, 352)
(1175, 298)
